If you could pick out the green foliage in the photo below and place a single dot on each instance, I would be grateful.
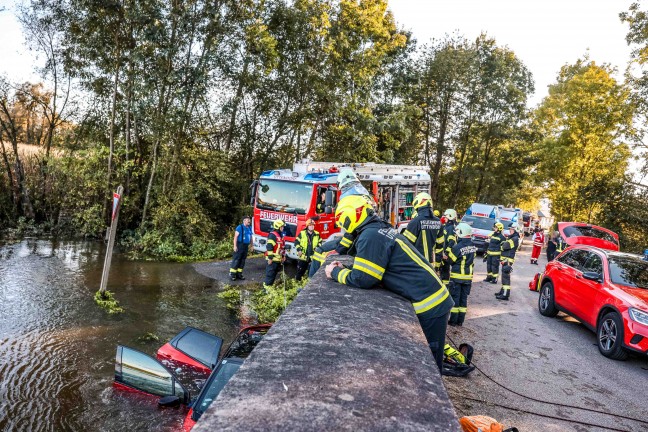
(149, 337)
(268, 304)
(106, 300)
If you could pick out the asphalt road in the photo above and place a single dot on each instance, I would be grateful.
(550, 359)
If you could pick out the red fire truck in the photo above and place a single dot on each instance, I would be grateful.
(299, 194)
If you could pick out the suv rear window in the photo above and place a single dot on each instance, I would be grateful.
(629, 271)
(575, 258)
(584, 231)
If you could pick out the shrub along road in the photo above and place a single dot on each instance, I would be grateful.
(550, 359)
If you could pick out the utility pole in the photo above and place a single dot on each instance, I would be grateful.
(117, 197)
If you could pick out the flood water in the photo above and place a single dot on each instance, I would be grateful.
(57, 348)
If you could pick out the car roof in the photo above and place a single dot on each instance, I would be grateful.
(607, 252)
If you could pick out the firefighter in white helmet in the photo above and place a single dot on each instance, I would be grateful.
(445, 243)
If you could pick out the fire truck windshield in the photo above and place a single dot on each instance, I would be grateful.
(285, 196)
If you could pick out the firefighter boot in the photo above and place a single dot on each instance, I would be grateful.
(500, 292)
(504, 296)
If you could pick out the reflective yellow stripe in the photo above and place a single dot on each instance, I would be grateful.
(343, 275)
(272, 242)
(411, 237)
(454, 310)
(461, 276)
(462, 309)
(345, 242)
(426, 251)
(368, 267)
(232, 270)
(506, 287)
(493, 253)
(319, 257)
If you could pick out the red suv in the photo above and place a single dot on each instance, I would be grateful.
(605, 290)
(574, 233)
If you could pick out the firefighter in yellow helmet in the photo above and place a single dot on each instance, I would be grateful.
(493, 252)
(461, 258)
(509, 247)
(275, 252)
(445, 242)
(384, 256)
(307, 241)
(424, 229)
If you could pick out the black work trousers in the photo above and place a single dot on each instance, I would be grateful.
(445, 272)
(492, 266)
(459, 290)
(271, 273)
(507, 269)
(238, 259)
(434, 328)
(302, 267)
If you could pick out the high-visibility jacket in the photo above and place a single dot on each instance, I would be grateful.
(462, 258)
(306, 243)
(509, 247)
(449, 238)
(495, 243)
(538, 239)
(275, 247)
(345, 243)
(423, 231)
(383, 255)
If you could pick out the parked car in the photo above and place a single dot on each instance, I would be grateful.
(191, 350)
(604, 289)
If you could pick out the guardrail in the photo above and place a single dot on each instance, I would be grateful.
(339, 358)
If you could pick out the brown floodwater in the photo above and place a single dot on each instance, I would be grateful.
(57, 348)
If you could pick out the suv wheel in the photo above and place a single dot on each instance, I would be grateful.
(610, 336)
(546, 303)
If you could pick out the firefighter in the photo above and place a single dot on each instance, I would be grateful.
(561, 244)
(493, 253)
(538, 242)
(275, 252)
(509, 247)
(307, 240)
(445, 242)
(461, 259)
(242, 240)
(385, 257)
(424, 229)
(338, 243)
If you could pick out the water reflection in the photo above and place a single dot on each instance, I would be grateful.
(57, 348)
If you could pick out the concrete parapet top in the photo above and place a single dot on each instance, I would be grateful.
(338, 358)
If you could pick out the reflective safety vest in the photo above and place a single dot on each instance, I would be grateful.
(306, 243)
(462, 258)
(275, 247)
(495, 244)
(561, 245)
(447, 240)
(538, 239)
(383, 255)
(509, 247)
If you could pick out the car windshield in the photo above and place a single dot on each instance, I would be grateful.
(629, 271)
(584, 231)
(214, 385)
(284, 196)
(479, 222)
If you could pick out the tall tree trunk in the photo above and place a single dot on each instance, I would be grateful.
(237, 101)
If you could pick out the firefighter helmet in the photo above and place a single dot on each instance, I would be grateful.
(278, 224)
(352, 211)
(450, 214)
(346, 176)
(436, 213)
(421, 200)
(463, 230)
(499, 226)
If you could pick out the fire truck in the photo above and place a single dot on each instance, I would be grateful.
(310, 190)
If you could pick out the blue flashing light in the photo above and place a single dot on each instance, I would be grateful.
(492, 214)
(319, 176)
(266, 173)
(469, 211)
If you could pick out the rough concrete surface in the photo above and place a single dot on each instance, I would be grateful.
(338, 359)
(551, 359)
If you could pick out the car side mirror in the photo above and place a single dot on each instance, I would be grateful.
(328, 203)
(253, 192)
(593, 276)
(169, 401)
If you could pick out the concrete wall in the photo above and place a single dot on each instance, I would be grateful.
(338, 359)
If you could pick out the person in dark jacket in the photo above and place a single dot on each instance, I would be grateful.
(307, 240)
(339, 243)
(552, 245)
(382, 256)
(461, 258)
(424, 229)
(242, 240)
(275, 253)
(494, 252)
(445, 243)
(509, 247)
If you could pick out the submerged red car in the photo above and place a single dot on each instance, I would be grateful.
(604, 289)
(191, 351)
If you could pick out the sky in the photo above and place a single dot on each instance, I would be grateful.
(544, 34)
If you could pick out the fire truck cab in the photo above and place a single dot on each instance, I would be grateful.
(300, 194)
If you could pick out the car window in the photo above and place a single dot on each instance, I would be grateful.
(143, 372)
(214, 385)
(584, 231)
(479, 222)
(575, 258)
(629, 271)
(201, 346)
(593, 264)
